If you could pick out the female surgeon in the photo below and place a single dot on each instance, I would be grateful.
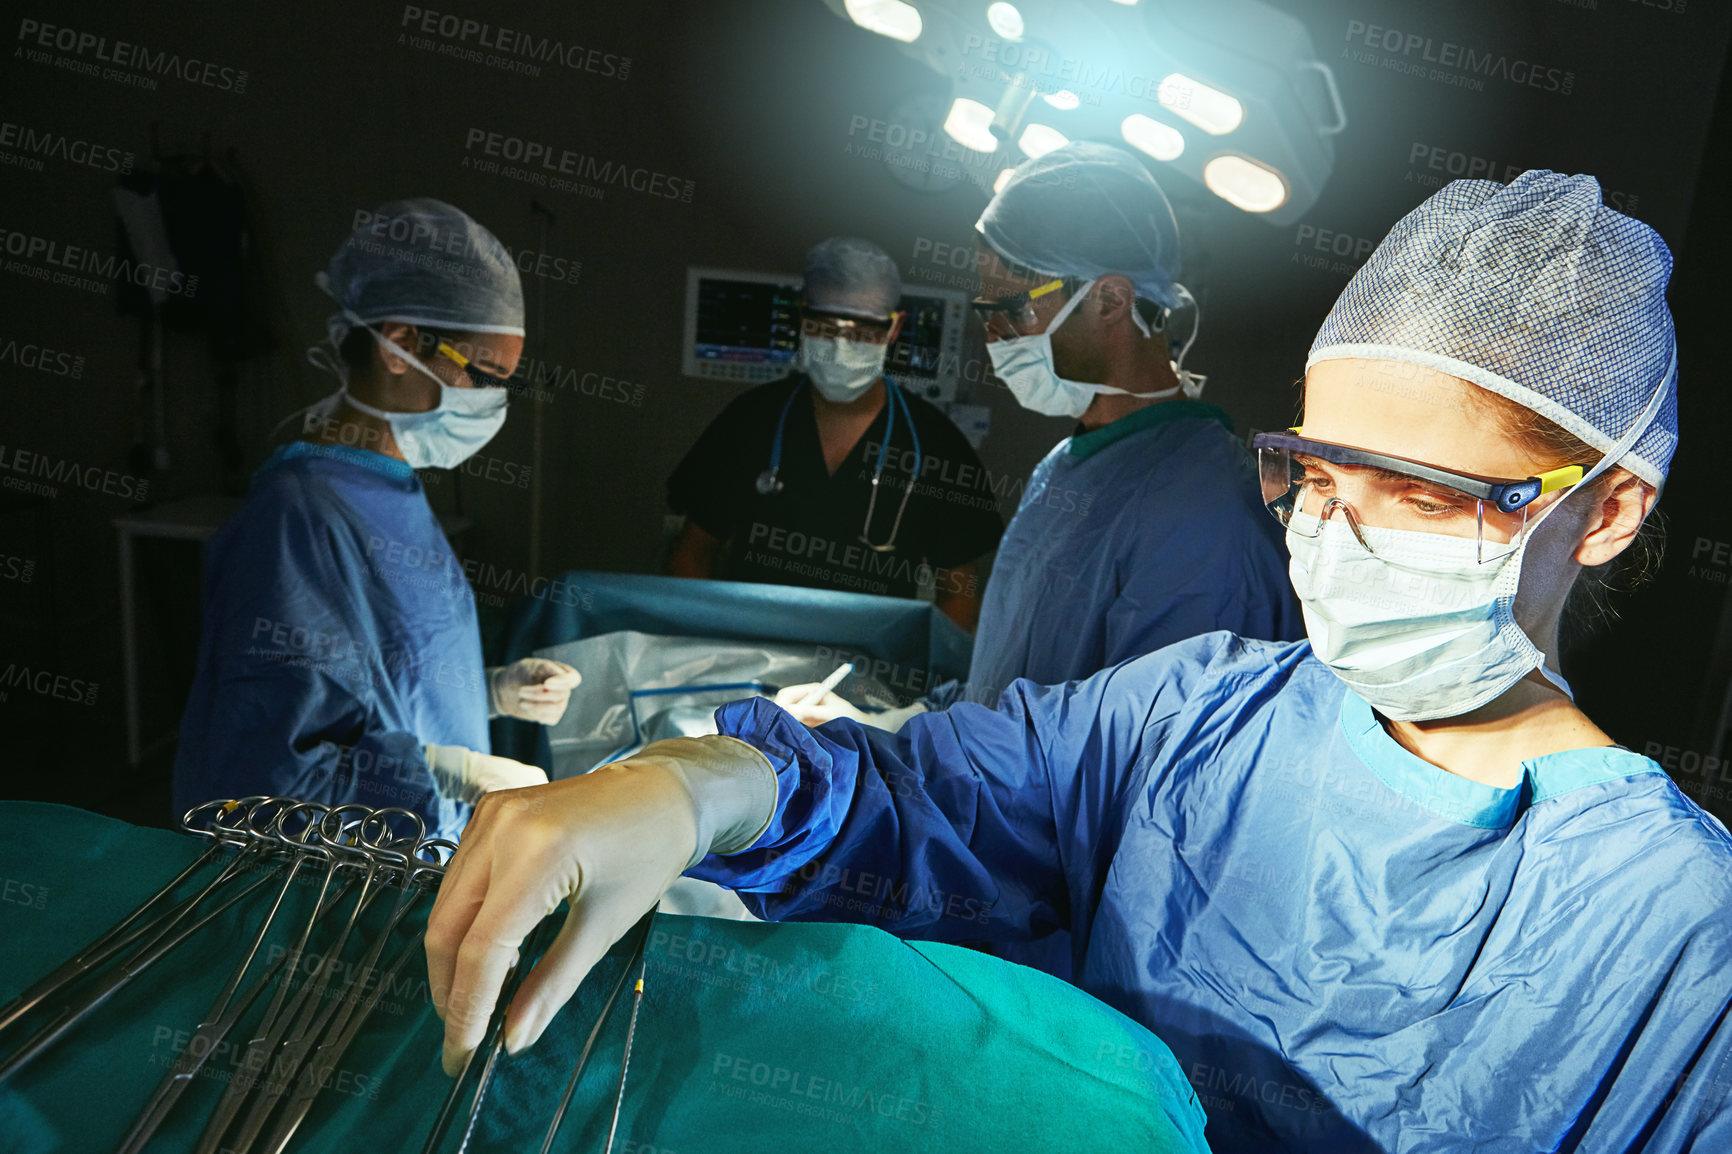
(1385, 890)
(340, 658)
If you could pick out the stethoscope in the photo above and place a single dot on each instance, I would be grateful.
(770, 480)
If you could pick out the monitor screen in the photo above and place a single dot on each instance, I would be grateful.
(753, 322)
(919, 346)
(743, 326)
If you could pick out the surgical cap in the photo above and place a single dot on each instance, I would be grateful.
(424, 262)
(845, 274)
(1087, 210)
(1536, 291)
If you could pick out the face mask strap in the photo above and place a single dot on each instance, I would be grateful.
(1625, 443)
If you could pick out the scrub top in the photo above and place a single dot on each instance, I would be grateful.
(809, 533)
(339, 639)
(1129, 537)
(1347, 948)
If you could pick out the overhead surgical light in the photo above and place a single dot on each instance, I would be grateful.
(1039, 139)
(969, 123)
(1234, 86)
(1005, 20)
(1210, 109)
(1161, 141)
(1243, 183)
(891, 18)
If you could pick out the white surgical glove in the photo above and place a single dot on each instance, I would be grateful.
(610, 842)
(534, 689)
(831, 706)
(464, 775)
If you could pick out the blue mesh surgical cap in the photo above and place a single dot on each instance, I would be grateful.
(845, 274)
(1087, 210)
(1537, 291)
(424, 262)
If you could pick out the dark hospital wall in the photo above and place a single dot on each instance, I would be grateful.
(761, 115)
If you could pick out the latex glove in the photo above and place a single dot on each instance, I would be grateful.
(831, 706)
(610, 842)
(534, 689)
(465, 775)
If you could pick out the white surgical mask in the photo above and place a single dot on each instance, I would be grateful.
(448, 434)
(1026, 366)
(840, 369)
(1421, 629)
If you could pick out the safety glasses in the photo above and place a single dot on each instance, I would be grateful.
(478, 376)
(1305, 481)
(840, 326)
(1016, 311)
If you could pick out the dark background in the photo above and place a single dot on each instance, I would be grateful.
(753, 100)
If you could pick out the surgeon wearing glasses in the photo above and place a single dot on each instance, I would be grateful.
(835, 477)
(1388, 889)
(1142, 527)
(340, 656)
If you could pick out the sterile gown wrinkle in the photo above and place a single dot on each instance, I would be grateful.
(1158, 536)
(1347, 948)
(339, 638)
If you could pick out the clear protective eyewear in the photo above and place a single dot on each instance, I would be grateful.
(478, 376)
(1374, 490)
(841, 326)
(1014, 315)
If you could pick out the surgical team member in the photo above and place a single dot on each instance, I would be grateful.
(340, 658)
(1144, 526)
(833, 476)
(1388, 890)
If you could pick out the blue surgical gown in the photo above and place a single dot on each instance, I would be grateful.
(339, 638)
(1130, 537)
(1348, 948)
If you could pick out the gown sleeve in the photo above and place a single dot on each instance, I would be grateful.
(302, 704)
(974, 824)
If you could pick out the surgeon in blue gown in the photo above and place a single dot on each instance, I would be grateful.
(340, 657)
(1144, 526)
(1387, 889)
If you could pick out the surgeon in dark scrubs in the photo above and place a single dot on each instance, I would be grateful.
(781, 487)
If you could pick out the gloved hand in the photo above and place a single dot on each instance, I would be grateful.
(609, 842)
(465, 775)
(534, 689)
(831, 706)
